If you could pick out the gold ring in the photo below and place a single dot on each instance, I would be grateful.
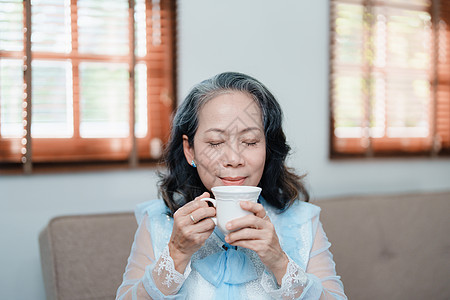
(192, 218)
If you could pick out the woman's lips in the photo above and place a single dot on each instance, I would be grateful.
(233, 180)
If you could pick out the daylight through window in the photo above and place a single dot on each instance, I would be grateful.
(389, 85)
(99, 84)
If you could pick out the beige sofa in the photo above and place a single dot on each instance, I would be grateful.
(385, 247)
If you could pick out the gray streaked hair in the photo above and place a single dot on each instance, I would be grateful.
(280, 185)
(187, 113)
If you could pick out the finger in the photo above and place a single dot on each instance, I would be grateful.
(205, 226)
(200, 233)
(254, 245)
(245, 234)
(204, 195)
(251, 221)
(201, 213)
(254, 207)
(203, 236)
(193, 205)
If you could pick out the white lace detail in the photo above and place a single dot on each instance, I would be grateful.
(253, 289)
(304, 236)
(292, 283)
(160, 234)
(264, 287)
(171, 279)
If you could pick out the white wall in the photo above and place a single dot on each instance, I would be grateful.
(283, 44)
(31, 201)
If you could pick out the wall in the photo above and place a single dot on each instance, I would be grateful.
(29, 209)
(283, 44)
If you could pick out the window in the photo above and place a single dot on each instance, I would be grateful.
(85, 80)
(389, 78)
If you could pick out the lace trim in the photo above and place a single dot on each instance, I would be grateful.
(292, 283)
(171, 279)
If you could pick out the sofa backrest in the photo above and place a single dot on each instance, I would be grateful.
(385, 247)
(84, 257)
(391, 247)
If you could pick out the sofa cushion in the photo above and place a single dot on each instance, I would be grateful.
(385, 247)
(83, 257)
(391, 247)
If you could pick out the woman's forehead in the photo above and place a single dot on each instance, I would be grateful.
(234, 111)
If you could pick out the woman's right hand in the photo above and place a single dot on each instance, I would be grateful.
(192, 225)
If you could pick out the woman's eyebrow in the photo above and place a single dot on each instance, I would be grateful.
(250, 129)
(215, 130)
(242, 131)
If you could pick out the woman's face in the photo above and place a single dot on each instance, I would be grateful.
(229, 145)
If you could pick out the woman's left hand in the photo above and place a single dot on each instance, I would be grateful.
(257, 233)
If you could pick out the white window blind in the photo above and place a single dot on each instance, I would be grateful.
(11, 21)
(51, 26)
(11, 94)
(87, 83)
(103, 27)
(104, 109)
(52, 111)
(383, 99)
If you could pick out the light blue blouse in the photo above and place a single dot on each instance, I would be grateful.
(219, 271)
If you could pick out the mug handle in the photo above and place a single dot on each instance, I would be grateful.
(213, 201)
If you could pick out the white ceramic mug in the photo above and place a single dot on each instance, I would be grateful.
(227, 203)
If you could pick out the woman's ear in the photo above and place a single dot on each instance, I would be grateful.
(188, 150)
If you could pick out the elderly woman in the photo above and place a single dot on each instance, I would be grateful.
(228, 132)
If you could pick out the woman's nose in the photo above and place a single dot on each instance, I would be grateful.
(233, 155)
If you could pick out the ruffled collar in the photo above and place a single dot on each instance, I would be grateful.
(228, 266)
(226, 269)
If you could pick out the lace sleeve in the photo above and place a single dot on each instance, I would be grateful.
(292, 283)
(163, 272)
(319, 281)
(323, 282)
(145, 278)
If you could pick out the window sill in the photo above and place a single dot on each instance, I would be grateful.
(76, 167)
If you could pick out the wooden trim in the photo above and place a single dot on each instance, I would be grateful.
(443, 93)
(73, 167)
(170, 66)
(71, 149)
(387, 3)
(13, 54)
(368, 49)
(332, 38)
(75, 69)
(435, 75)
(387, 146)
(133, 159)
(161, 75)
(27, 119)
(391, 4)
(174, 35)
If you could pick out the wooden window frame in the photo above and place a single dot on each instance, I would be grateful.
(161, 90)
(438, 142)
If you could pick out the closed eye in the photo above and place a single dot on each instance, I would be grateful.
(250, 142)
(215, 144)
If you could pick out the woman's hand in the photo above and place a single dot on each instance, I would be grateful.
(191, 228)
(257, 233)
